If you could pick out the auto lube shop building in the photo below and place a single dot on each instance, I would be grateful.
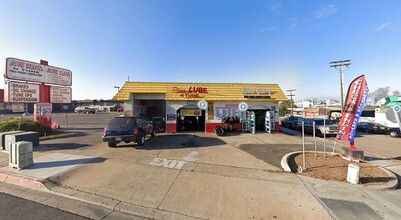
(202, 106)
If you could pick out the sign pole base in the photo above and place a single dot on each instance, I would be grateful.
(352, 145)
(352, 152)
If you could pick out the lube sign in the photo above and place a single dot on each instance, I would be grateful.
(191, 92)
(22, 92)
(17, 69)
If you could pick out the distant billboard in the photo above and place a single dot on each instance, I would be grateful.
(35, 72)
(60, 94)
(21, 92)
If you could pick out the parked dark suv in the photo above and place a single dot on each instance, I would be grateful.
(291, 121)
(370, 127)
(127, 129)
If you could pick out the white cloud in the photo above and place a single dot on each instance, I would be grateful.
(383, 26)
(275, 8)
(325, 11)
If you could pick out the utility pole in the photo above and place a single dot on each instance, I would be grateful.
(338, 65)
(291, 95)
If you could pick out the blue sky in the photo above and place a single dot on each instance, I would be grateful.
(286, 42)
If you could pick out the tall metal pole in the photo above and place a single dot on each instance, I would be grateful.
(342, 90)
(303, 146)
(338, 65)
(291, 95)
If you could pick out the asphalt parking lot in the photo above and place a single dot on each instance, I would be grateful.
(185, 175)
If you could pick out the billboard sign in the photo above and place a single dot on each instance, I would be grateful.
(34, 72)
(354, 104)
(22, 93)
(60, 94)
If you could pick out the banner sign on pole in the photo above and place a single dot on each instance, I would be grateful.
(354, 104)
(35, 72)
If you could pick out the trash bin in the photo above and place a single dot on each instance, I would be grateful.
(353, 173)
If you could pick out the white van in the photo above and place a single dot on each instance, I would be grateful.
(80, 109)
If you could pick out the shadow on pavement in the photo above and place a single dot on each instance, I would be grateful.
(176, 142)
(372, 158)
(272, 153)
(60, 146)
(62, 163)
(86, 129)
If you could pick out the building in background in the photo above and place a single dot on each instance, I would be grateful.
(201, 106)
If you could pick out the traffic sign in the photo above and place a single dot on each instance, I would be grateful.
(202, 105)
(396, 108)
(243, 106)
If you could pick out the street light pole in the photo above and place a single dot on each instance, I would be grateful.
(338, 65)
(291, 95)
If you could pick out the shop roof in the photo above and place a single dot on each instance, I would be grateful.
(215, 91)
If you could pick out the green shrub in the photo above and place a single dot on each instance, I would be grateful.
(26, 125)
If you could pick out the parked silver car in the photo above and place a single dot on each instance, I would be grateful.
(330, 129)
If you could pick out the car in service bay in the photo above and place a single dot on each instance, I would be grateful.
(128, 129)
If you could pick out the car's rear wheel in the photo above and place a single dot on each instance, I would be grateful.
(140, 140)
(112, 144)
(219, 131)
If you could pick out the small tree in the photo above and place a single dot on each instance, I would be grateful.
(284, 106)
(396, 93)
(380, 93)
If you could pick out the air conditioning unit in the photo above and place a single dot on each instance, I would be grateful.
(21, 154)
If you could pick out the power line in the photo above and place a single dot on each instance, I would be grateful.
(338, 65)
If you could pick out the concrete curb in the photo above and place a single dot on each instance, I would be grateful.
(390, 185)
(284, 160)
(21, 180)
(43, 138)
